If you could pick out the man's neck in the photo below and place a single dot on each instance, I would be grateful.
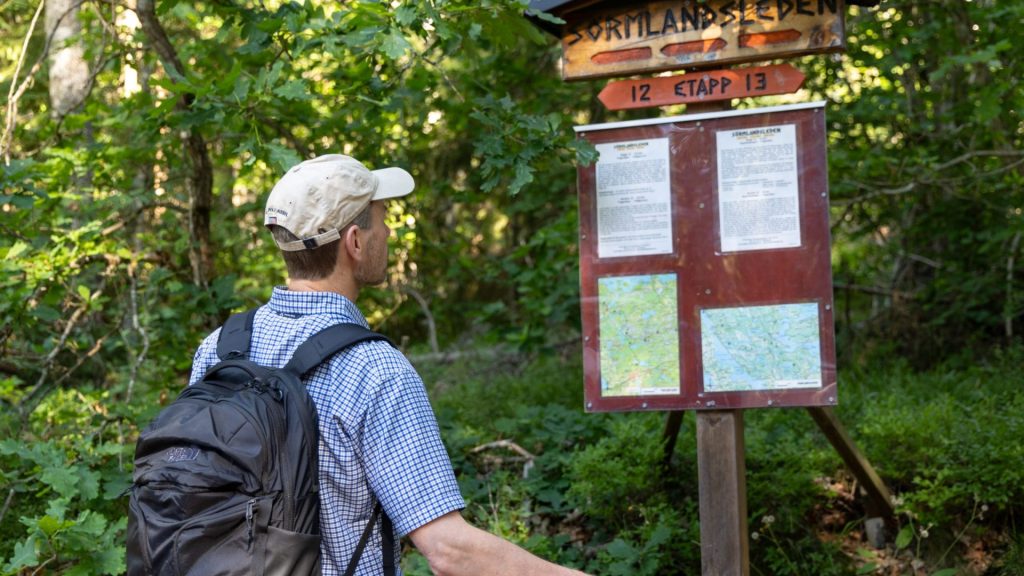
(344, 286)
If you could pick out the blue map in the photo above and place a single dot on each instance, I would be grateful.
(761, 348)
(639, 329)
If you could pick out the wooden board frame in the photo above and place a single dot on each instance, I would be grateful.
(705, 276)
(610, 39)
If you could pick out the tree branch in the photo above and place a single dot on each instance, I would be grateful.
(200, 181)
(875, 190)
(15, 93)
(524, 455)
(42, 386)
(431, 325)
(299, 146)
(1010, 261)
(38, 391)
(137, 326)
(7, 505)
(975, 154)
(119, 223)
(876, 290)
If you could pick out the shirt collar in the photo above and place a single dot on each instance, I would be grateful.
(302, 303)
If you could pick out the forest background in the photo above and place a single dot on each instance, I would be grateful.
(140, 139)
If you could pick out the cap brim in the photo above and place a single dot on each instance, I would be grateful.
(393, 183)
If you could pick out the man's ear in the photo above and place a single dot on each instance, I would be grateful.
(352, 242)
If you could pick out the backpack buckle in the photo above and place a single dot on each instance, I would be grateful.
(275, 390)
(258, 385)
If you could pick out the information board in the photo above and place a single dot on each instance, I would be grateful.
(705, 267)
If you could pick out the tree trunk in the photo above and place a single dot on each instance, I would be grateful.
(200, 180)
(69, 76)
(69, 72)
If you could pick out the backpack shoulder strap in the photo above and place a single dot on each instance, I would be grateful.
(233, 341)
(328, 342)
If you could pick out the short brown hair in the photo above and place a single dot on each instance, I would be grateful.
(319, 262)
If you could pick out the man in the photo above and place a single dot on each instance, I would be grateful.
(378, 435)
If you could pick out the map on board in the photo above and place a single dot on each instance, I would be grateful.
(639, 335)
(761, 348)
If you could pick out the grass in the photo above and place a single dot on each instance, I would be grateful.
(588, 490)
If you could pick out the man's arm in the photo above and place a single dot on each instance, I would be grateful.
(454, 547)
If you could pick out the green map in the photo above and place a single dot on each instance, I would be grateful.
(761, 348)
(639, 335)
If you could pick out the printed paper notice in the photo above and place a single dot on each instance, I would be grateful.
(758, 190)
(639, 335)
(634, 202)
(761, 348)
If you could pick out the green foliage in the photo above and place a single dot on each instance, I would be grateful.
(598, 495)
(924, 153)
(953, 436)
(612, 477)
(66, 486)
(1011, 562)
(786, 455)
(110, 274)
(646, 556)
(114, 261)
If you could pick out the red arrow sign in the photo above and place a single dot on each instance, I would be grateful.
(702, 87)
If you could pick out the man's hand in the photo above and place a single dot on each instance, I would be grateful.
(453, 547)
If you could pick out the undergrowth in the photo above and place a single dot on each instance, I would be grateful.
(593, 491)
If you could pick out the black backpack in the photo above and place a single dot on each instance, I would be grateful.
(226, 476)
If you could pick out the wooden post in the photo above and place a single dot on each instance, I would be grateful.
(879, 502)
(672, 425)
(721, 472)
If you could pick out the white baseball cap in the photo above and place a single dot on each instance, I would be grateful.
(317, 198)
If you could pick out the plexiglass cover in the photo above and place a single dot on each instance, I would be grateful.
(705, 267)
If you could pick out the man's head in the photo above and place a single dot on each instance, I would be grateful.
(313, 205)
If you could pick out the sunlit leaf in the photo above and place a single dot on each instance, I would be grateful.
(16, 250)
(394, 44)
(283, 158)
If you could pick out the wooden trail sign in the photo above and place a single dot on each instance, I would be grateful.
(704, 240)
(696, 87)
(620, 39)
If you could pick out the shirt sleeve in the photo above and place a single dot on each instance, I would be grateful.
(205, 358)
(407, 465)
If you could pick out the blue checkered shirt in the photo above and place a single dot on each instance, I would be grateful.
(378, 433)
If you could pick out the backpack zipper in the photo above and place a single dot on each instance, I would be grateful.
(248, 521)
(229, 514)
(289, 489)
